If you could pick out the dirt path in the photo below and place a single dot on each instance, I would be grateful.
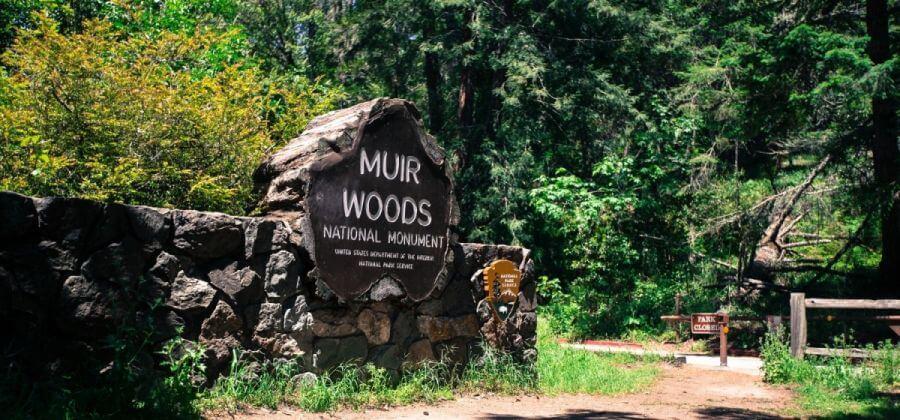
(680, 393)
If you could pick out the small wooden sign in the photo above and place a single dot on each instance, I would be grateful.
(501, 283)
(706, 323)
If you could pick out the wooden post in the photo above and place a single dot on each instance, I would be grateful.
(773, 322)
(723, 341)
(798, 324)
(677, 312)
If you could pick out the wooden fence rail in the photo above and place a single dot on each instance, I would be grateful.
(799, 304)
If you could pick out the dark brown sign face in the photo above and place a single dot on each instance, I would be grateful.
(706, 323)
(381, 209)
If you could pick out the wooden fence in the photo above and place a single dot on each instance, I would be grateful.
(799, 304)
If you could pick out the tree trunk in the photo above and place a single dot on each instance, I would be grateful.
(884, 147)
(466, 104)
(770, 248)
(432, 70)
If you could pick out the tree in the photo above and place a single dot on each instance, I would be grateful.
(167, 119)
(884, 144)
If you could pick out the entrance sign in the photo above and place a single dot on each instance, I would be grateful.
(501, 284)
(380, 209)
(706, 323)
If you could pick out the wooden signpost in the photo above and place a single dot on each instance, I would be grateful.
(706, 323)
(711, 324)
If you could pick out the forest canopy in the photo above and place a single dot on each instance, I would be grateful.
(727, 152)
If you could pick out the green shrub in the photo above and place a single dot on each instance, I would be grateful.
(833, 385)
(251, 384)
(153, 117)
(128, 386)
(498, 372)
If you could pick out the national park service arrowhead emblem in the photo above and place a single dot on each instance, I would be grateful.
(501, 283)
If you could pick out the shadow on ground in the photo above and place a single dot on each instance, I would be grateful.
(732, 413)
(727, 413)
(574, 414)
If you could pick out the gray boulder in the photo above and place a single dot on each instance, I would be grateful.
(67, 220)
(375, 325)
(419, 352)
(333, 323)
(388, 356)
(242, 284)
(112, 226)
(190, 296)
(150, 224)
(297, 318)
(18, 217)
(119, 262)
(386, 288)
(282, 276)
(263, 236)
(268, 319)
(89, 308)
(330, 352)
(403, 329)
(166, 267)
(223, 322)
(206, 235)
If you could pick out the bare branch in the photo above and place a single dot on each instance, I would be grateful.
(790, 226)
(807, 243)
(815, 236)
(785, 210)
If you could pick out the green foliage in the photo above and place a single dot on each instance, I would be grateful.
(128, 386)
(637, 148)
(498, 372)
(835, 386)
(158, 117)
(566, 370)
(618, 274)
(184, 373)
(557, 370)
(372, 386)
(249, 383)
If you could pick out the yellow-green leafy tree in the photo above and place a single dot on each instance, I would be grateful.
(166, 118)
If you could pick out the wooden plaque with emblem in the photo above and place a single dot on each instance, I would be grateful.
(501, 283)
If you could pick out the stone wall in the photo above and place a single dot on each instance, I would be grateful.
(74, 272)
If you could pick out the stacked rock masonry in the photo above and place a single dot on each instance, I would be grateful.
(74, 272)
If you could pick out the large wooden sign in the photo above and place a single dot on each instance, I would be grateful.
(706, 323)
(501, 284)
(380, 209)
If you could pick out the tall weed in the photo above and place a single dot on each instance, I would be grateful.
(834, 385)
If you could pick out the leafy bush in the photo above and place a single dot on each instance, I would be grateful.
(129, 386)
(159, 117)
(619, 267)
(834, 385)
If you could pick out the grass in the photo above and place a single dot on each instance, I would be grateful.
(834, 386)
(566, 370)
(176, 392)
(557, 370)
